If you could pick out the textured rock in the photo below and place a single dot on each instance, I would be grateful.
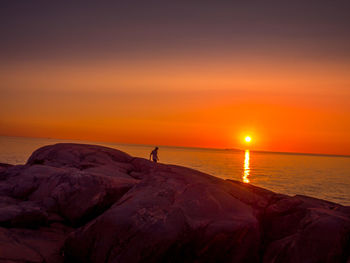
(171, 217)
(86, 203)
(22, 214)
(24, 245)
(3, 167)
(74, 194)
(79, 156)
(304, 229)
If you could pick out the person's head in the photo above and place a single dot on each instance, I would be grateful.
(156, 148)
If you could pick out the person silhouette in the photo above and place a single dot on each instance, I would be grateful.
(154, 155)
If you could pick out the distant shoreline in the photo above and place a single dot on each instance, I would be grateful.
(188, 147)
(311, 154)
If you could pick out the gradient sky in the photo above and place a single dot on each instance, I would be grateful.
(186, 73)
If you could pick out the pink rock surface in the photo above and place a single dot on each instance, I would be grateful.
(22, 214)
(25, 245)
(87, 203)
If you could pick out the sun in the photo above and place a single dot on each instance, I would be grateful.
(248, 139)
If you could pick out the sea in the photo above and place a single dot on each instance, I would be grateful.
(320, 176)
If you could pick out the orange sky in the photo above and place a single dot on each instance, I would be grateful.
(300, 106)
(179, 74)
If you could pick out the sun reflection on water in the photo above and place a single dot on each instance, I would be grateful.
(246, 170)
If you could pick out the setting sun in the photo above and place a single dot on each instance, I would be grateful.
(248, 139)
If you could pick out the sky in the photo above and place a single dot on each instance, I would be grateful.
(184, 73)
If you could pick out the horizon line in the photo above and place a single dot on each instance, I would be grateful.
(192, 147)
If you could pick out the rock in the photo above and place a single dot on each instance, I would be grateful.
(303, 229)
(172, 218)
(24, 245)
(90, 203)
(75, 195)
(23, 214)
(79, 156)
(79, 196)
(3, 167)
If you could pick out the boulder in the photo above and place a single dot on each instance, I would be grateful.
(38, 246)
(81, 156)
(71, 193)
(170, 217)
(22, 214)
(3, 167)
(88, 203)
(304, 229)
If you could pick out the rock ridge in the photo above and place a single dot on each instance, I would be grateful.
(89, 203)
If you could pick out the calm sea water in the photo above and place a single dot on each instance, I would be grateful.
(326, 177)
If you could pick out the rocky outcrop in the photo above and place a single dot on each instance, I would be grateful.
(86, 203)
